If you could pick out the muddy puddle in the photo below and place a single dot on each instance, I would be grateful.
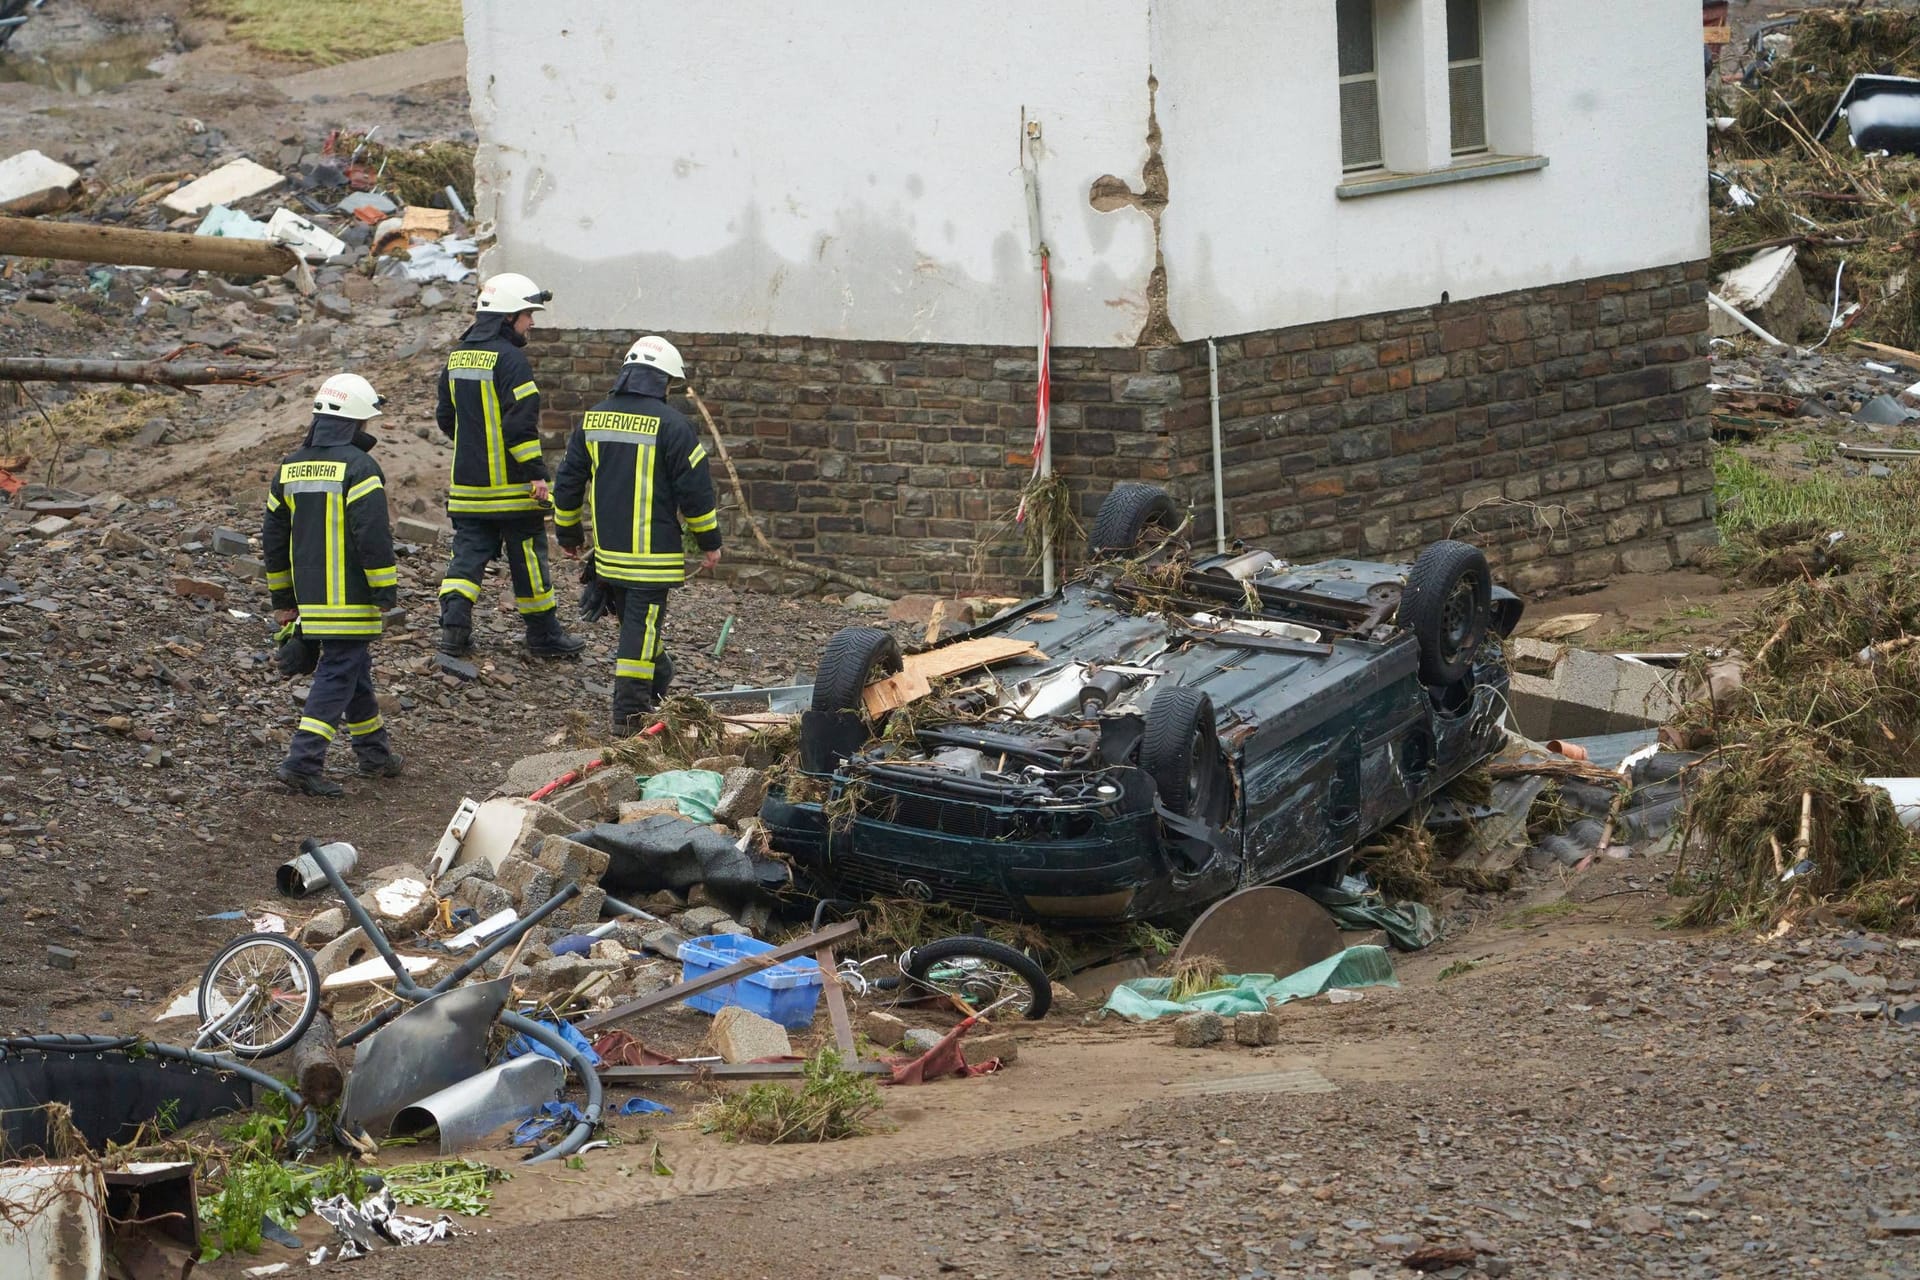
(97, 67)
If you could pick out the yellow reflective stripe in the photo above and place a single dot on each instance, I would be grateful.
(593, 469)
(698, 455)
(534, 604)
(629, 557)
(488, 490)
(643, 512)
(361, 728)
(496, 442)
(336, 566)
(460, 587)
(279, 580)
(364, 488)
(525, 389)
(341, 630)
(273, 502)
(525, 451)
(568, 518)
(532, 557)
(387, 577)
(632, 669)
(671, 577)
(706, 523)
(309, 725)
(334, 612)
(491, 507)
(650, 643)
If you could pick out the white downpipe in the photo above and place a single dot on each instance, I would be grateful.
(1745, 323)
(1219, 481)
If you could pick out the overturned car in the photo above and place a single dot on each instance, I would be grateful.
(1176, 729)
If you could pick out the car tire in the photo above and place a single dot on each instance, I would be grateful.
(847, 664)
(1126, 515)
(1448, 605)
(919, 966)
(1180, 751)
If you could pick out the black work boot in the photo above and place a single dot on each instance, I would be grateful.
(309, 784)
(545, 639)
(456, 626)
(633, 706)
(390, 766)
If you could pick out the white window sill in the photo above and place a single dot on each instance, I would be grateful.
(1466, 169)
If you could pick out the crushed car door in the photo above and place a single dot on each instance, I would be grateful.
(1301, 803)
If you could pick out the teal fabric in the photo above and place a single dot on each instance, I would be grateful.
(696, 791)
(1410, 924)
(1144, 999)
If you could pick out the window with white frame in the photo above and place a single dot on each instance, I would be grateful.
(1360, 146)
(1466, 78)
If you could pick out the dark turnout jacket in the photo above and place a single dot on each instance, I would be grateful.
(647, 471)
(490, 408)
(329, 548)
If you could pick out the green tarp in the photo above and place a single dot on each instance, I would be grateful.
(696, 791)
(1144, 999)
(1410, 924)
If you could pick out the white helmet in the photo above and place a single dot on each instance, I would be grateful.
(348, 395)
(658, 352)
(511, 293)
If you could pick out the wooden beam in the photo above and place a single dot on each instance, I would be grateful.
(721, 977)
(167, 373)
(724, 1071)
(120, 246)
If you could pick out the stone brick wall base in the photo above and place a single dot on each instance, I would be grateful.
(1563, 428)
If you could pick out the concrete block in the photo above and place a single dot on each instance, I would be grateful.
(323, 928)
(482, 896)
(529, 884)
(412, 529)
(598, 798)
(1562, 692)
(509, 826)
(1256, 1028)
(345, 951)
(569, 860)
(740, 1035)
(882, 1029)
(741, 795)
(1198, 1030)
(985, 1048)
(529, 773)
(62, 958)
(920, 1039)
(699, 920)
(562, 974)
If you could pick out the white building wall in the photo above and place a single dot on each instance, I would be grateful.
(851, 168)
(1256, 239)
(838, 168)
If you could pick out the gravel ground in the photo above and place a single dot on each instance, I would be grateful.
(1641, 1105)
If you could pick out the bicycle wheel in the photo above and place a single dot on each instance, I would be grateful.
(275, 978)
(980, 972)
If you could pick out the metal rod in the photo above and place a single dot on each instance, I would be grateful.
(1219, 480)
(724, 1071)
(590, 1114)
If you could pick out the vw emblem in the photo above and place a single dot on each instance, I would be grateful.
(919, 890)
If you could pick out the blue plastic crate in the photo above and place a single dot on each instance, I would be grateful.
(786, 993)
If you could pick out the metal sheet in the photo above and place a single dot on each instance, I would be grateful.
(436, 1043)
(468, 1112)
(1265, 930)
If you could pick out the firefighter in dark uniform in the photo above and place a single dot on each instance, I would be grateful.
(329, 553)
(648, 473)
(497, 499)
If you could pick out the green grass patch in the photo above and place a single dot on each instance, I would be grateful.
(1879, 515)
(324, 32)
(1455, 969)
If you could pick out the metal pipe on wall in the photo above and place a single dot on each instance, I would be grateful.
(1219, 481)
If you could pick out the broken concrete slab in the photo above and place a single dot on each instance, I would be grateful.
(1767, 290)
(32, 184)
(529, 773)
(570, 861)
(596, 798)
(1002, 1047)
(741, 794)
(1256, 1028)
(510, 826)
(1198, 1030)
(741, 1035)
(236, 180)
(1562, 692)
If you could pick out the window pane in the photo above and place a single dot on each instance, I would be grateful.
(1355, 18)
(1466, 87)
(1360, 124)
(1463, 30)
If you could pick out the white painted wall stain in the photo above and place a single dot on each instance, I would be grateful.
(850, 168)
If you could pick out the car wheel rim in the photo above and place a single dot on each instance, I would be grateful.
(1456, 619)
(980, 983)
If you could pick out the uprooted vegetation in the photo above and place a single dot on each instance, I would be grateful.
(1829, 699)
(831, 1103)
(1821, 195)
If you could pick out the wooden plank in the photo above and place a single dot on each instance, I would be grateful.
(836, 1005)
(921, 669)
(721, 977)
(1897, 355)
(723, 1071)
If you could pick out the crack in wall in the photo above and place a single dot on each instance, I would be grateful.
(1110, 194)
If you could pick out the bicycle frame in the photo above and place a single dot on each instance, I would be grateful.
(413, 993)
